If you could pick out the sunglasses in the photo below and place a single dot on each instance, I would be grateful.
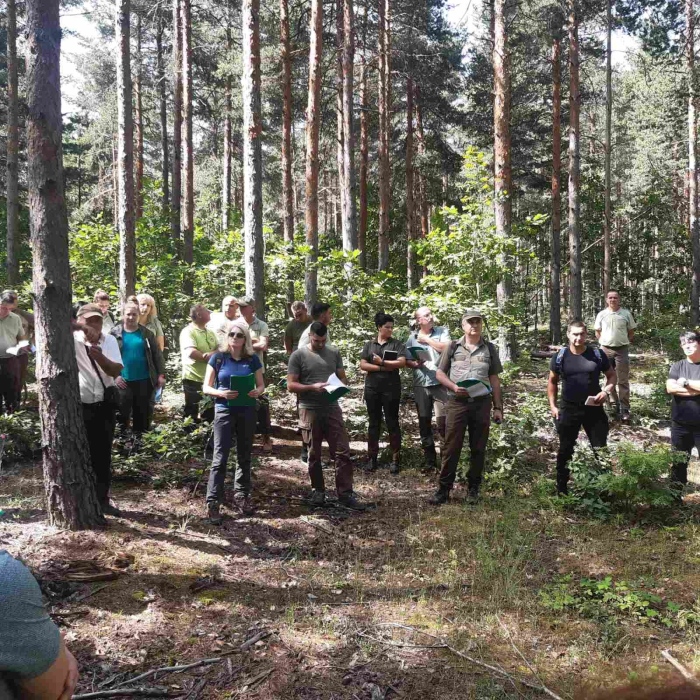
(236, 335)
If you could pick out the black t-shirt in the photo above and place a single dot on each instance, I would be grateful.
(685, 409)
(580, 374)
(387, 377)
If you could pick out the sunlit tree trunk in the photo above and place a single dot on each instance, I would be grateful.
(339, 107)
(607, 223)
(412, 276)
(555, 268)
(575, 293)
(384, 132)
(188, 146)
(348, 181)
(228, 128)
(175, 209)
(163, 99)
(12, 184)
(423, 208)
(364, 147)
(138, 124)
(68, 479)
(287, 179)
(313, 117)
(692, 161)
(252, 156)
(125, 154)
(502, 168)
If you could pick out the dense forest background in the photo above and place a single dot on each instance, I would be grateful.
(411, 205)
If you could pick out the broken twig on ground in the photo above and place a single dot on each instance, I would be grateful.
(679, 667)
(128, 692)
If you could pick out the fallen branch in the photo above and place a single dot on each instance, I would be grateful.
(89, 594)
(442, 644)
(127, 692)
(318, 526)
(257, 679)
(196, 664)
(679, 667)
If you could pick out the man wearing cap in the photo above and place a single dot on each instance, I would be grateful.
(468, 369)
(11, 333)
(614, 328)
(260, 335)
(99, 362)
(220, 321)
(431, 341)
(197, 345)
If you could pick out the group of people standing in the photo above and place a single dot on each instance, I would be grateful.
(122, 371)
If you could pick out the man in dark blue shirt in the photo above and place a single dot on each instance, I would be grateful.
(582, 399)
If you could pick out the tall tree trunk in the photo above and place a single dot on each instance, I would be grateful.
(175, 209)
(287, 104)
(188, 146)
(555, 269)
(348, 181)
(12, 148)
(313, 117)
(364, 147)
(252, 156)
(228, 127)
(163, 98)
(502, 168)
(138, 125)
(692, 162)
(411, 266)
(607, 224)
(125, 154)
(68, 478)
(339, 31)
(576, 291)
(423, 207)
(384, 132)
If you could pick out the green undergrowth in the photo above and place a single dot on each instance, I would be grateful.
(20, 436)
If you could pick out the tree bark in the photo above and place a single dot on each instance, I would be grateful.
(607, 223)
(384, 132)
(576, 291)
(692, 162)
(502, 166)
(423, 207)
(138, 124)
(287, 104)
(163, 98)
(364, 147)
(188, 146)
(313, 117)
(228, 127)
(411, 266)
(12, 185)
(252, 156)
(125, 154)
(349, 182)
(555, 268)
(68, 478)
(175, 209)
(339, 31)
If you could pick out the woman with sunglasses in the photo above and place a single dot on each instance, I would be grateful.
(239, 359)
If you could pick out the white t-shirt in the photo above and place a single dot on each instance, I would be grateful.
(91, 390)
(220, 324)
(304, 340)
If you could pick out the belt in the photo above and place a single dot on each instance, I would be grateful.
(470, 399)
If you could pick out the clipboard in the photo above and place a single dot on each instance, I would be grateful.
(242, 384)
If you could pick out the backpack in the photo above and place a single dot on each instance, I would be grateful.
(455, 343)
(560, 359)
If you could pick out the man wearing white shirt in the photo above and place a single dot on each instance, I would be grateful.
(99, 362)
(221, 321)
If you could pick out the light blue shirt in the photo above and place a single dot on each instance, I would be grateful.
(427, 374)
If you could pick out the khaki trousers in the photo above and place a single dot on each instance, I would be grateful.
(620, 394)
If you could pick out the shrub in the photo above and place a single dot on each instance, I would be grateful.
(20, 436)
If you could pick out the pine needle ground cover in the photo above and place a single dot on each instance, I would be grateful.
(493, 601)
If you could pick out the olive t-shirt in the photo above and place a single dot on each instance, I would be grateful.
(294, 330)
(29, 640)
(685, 409)
(313, 366)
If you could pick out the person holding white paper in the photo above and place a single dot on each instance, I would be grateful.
(11, 333)
(382, 359)
(423, 350)
(239, 360)
(580, 368)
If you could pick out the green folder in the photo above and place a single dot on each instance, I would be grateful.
(475, 387)
(242, 384)
(419, 353)
(336, 393)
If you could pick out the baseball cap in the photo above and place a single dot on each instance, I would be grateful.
(246, 301)
(472, 313)
(89, 310)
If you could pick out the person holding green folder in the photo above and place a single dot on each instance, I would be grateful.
(235, 378)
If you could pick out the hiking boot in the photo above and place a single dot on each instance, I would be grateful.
(440, 497)
(304, 454)
(243, 503)
(317, 499)
(267, 444)
(625, 416)
(372, 464)
(111, 509)
(351, 501)
(394, 468)
(214, 513)
(473, 495)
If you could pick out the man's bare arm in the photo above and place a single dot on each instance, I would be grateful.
(58, 683)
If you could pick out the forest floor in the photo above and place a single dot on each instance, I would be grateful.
(404, 600)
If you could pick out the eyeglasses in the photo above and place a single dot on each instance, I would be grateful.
(236, 335)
